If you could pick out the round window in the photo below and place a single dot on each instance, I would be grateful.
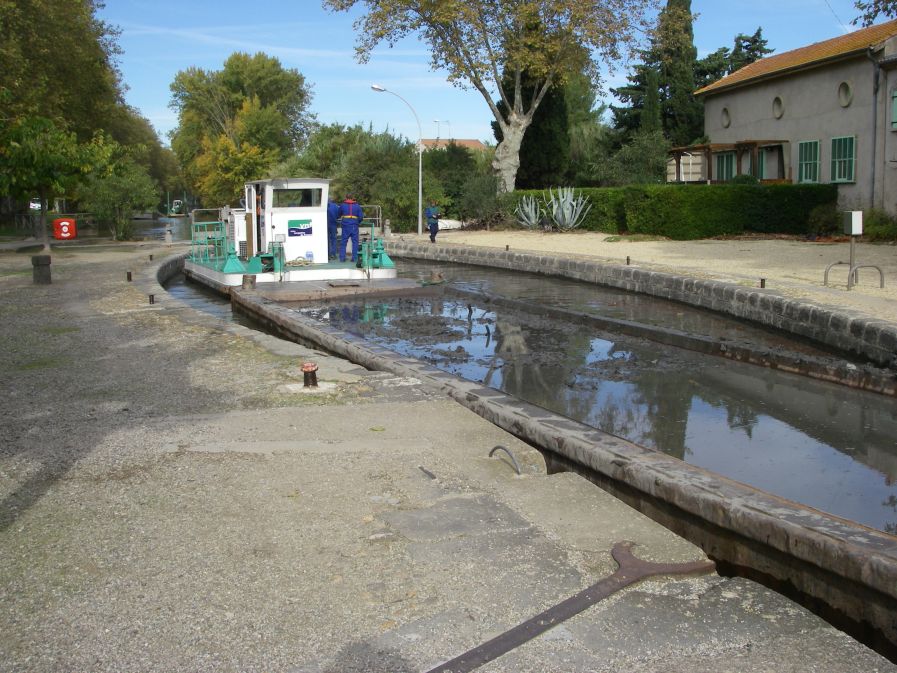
(845, 94)
(726, 118)
(778, 107)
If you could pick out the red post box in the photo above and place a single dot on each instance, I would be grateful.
(64, 228)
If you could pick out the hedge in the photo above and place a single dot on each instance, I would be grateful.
(686, 212)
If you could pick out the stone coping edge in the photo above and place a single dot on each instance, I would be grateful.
(846, 330)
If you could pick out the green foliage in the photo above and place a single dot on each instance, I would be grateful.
(451, 166)
(642, 161)
(685, 212)
(37, 157)
(479, 42)
(871, 10)
(114, 195)
(235, 124)
(480, 201)
(57, 63)
(824, 220)
(879, 225)
(744, 179)
(378, 168)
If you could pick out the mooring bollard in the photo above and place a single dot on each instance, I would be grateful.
(762, 283)
(152, 299)
(40, 272)
(309, 375)
(627, 260)
(151, 258)
(129, 276)
(507, 247)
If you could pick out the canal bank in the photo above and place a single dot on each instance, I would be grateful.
(174, 500)
(791, 544)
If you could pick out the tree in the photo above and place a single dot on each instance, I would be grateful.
(747, 49)
(682, 114)
(236, 123)
(116, 193)
(873, 8)
(671, 55)
(58, 63)
(37, 157)
(477, 41)
(649, 120)
(452, 166)
(545, 149)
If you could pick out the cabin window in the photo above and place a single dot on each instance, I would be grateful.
(843, 158)
(808, 161)
(725, 166)
(306, 197)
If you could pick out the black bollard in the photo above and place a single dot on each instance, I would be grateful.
(41, 269)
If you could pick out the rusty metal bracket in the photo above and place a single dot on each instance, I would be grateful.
(630, 571)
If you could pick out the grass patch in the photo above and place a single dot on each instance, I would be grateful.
(61, 330)
(42, 363)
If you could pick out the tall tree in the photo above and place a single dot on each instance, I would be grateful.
(58, 63)
(672, 55)
(545, 149)
(236, 123)
(682, 114)
(649, 120)
(477, 41)
(747, 49)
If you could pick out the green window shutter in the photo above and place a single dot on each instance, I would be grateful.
(761, 163)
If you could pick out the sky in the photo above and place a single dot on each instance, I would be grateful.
(159, 38)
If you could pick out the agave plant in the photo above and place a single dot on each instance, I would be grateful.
(566, 210)
(529, 212)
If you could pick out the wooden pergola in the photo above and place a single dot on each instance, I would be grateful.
(740, 148)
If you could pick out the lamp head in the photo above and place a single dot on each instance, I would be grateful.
(377, 87)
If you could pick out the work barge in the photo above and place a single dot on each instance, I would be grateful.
(844, 571)
(279, 242)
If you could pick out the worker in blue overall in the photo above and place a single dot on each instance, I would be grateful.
(350, 216)
(332, 225)
(432, 215)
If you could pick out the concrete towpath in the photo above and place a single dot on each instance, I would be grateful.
(171, 499)
(792, 267)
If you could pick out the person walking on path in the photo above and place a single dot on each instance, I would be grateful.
(350, 216)
(332, 224)
(432, 215)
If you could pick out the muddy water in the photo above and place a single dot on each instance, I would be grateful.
(819, 444)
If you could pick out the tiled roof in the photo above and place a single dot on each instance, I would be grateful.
(431, 143)
(819, 52)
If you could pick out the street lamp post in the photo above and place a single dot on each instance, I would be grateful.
(420, 160)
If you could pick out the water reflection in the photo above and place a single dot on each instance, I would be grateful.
(808, 441)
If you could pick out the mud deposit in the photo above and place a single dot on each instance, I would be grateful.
(819, 444)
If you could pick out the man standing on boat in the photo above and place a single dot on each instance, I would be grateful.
(350, 216)
(332, 224)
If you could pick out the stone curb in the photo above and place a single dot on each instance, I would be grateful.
(849, 331)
